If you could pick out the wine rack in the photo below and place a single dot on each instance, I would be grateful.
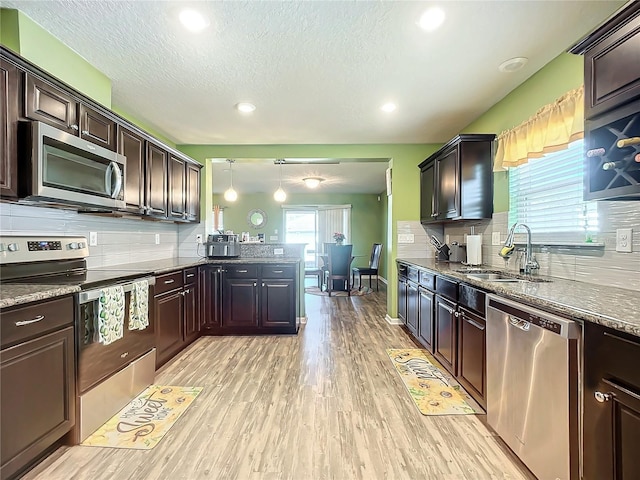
(613, 171)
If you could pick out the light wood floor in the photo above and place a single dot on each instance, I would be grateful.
(325, 404)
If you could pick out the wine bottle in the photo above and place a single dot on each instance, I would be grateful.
(613, 165)
(627, 142)
(596, 152)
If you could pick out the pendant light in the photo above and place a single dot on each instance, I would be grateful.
(230, 195)
(280, 195)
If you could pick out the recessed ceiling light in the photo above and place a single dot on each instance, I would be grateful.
(245, 107)
(388, 107)
(431, 19)
(193, 20)
(513, 64)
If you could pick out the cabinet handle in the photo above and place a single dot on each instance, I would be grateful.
(479, 326)
(28, 322)
(242, 271)
(167, 282)
(124, 355)
(255, 284)
(277, 271)
(74, 127)
(188, 290)
(602, 397)
(263, 284)
(456, 314)
(448, 309)
(85, 132)
(191, 275)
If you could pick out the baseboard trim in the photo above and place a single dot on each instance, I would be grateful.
(392, 321)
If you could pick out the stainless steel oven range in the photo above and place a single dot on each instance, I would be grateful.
(111, 370)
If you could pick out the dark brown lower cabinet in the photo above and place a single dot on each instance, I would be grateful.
(277, 303)
(240, 302)
(611, 423)
(38, 397)
(402, 299)
(425, 314)
(169, 324)
(412, 307)
(191, 305)
(210, 296)
(472, 354)
(445, 347)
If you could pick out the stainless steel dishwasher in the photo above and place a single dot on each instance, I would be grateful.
(532, 386)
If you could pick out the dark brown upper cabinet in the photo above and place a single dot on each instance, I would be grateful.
(53, 106)
(456, 182)
(177, 188)
(156, 181)
(193, 192)
(9, 82)
(612, 107)
(133, 146)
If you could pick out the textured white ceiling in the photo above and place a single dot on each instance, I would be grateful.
(318, 71)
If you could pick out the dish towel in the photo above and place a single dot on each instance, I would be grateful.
(139, 306)
(110, 314)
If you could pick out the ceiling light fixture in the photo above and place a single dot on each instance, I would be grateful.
(388, 107)
(280, 195)
(245, 107)
(513, 64)
(431, 19)
(230, 195)
(193, 21)
(312, 182)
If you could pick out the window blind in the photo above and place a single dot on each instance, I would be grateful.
(546, 194)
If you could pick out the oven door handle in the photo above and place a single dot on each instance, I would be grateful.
(91, 295)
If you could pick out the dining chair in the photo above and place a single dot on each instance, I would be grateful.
(372, 269)
(338, 267)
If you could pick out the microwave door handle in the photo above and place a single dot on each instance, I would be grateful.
(107, 178)
(118, 187)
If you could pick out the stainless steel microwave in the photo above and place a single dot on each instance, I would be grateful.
(69, 170)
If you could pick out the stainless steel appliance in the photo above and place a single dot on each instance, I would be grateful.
(457, 253)
(532, 386)
(222, 245)
(65, 169)
(108, 375)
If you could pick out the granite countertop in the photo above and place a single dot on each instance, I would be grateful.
(17, 294)
(612, 307)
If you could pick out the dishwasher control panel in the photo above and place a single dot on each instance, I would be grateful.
(545, 323)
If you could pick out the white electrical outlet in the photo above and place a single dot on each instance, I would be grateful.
(495, 238)
(157, 239)
(446, 239)
(406, 238)
(93, 239)
(199, 238)
(624, 240)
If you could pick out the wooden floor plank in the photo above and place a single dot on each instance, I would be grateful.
(323, 404)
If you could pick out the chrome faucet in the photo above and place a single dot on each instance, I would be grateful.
(530, 262)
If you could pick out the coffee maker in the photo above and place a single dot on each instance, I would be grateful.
(222, 245)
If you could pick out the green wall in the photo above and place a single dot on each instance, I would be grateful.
(40, 47)
(365, 216)
(562, 74)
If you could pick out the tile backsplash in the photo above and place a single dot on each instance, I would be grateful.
(597, 265)
(120, 240)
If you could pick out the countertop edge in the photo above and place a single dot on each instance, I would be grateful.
(508, 290)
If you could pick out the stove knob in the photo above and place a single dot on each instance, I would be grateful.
(13, 247)
(72, 246)
(82, 245)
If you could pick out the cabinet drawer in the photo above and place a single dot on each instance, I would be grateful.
(35, 319)
(169, 281)
(447, 288)
(428, 280)
(241, 271)
(619, 355)
(278, 271)
(472, 298)
(190, 275)
(413, 274)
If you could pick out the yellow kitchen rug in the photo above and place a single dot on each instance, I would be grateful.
(433, 390)
(146, 419)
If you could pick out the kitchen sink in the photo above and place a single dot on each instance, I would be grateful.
(494, 277)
